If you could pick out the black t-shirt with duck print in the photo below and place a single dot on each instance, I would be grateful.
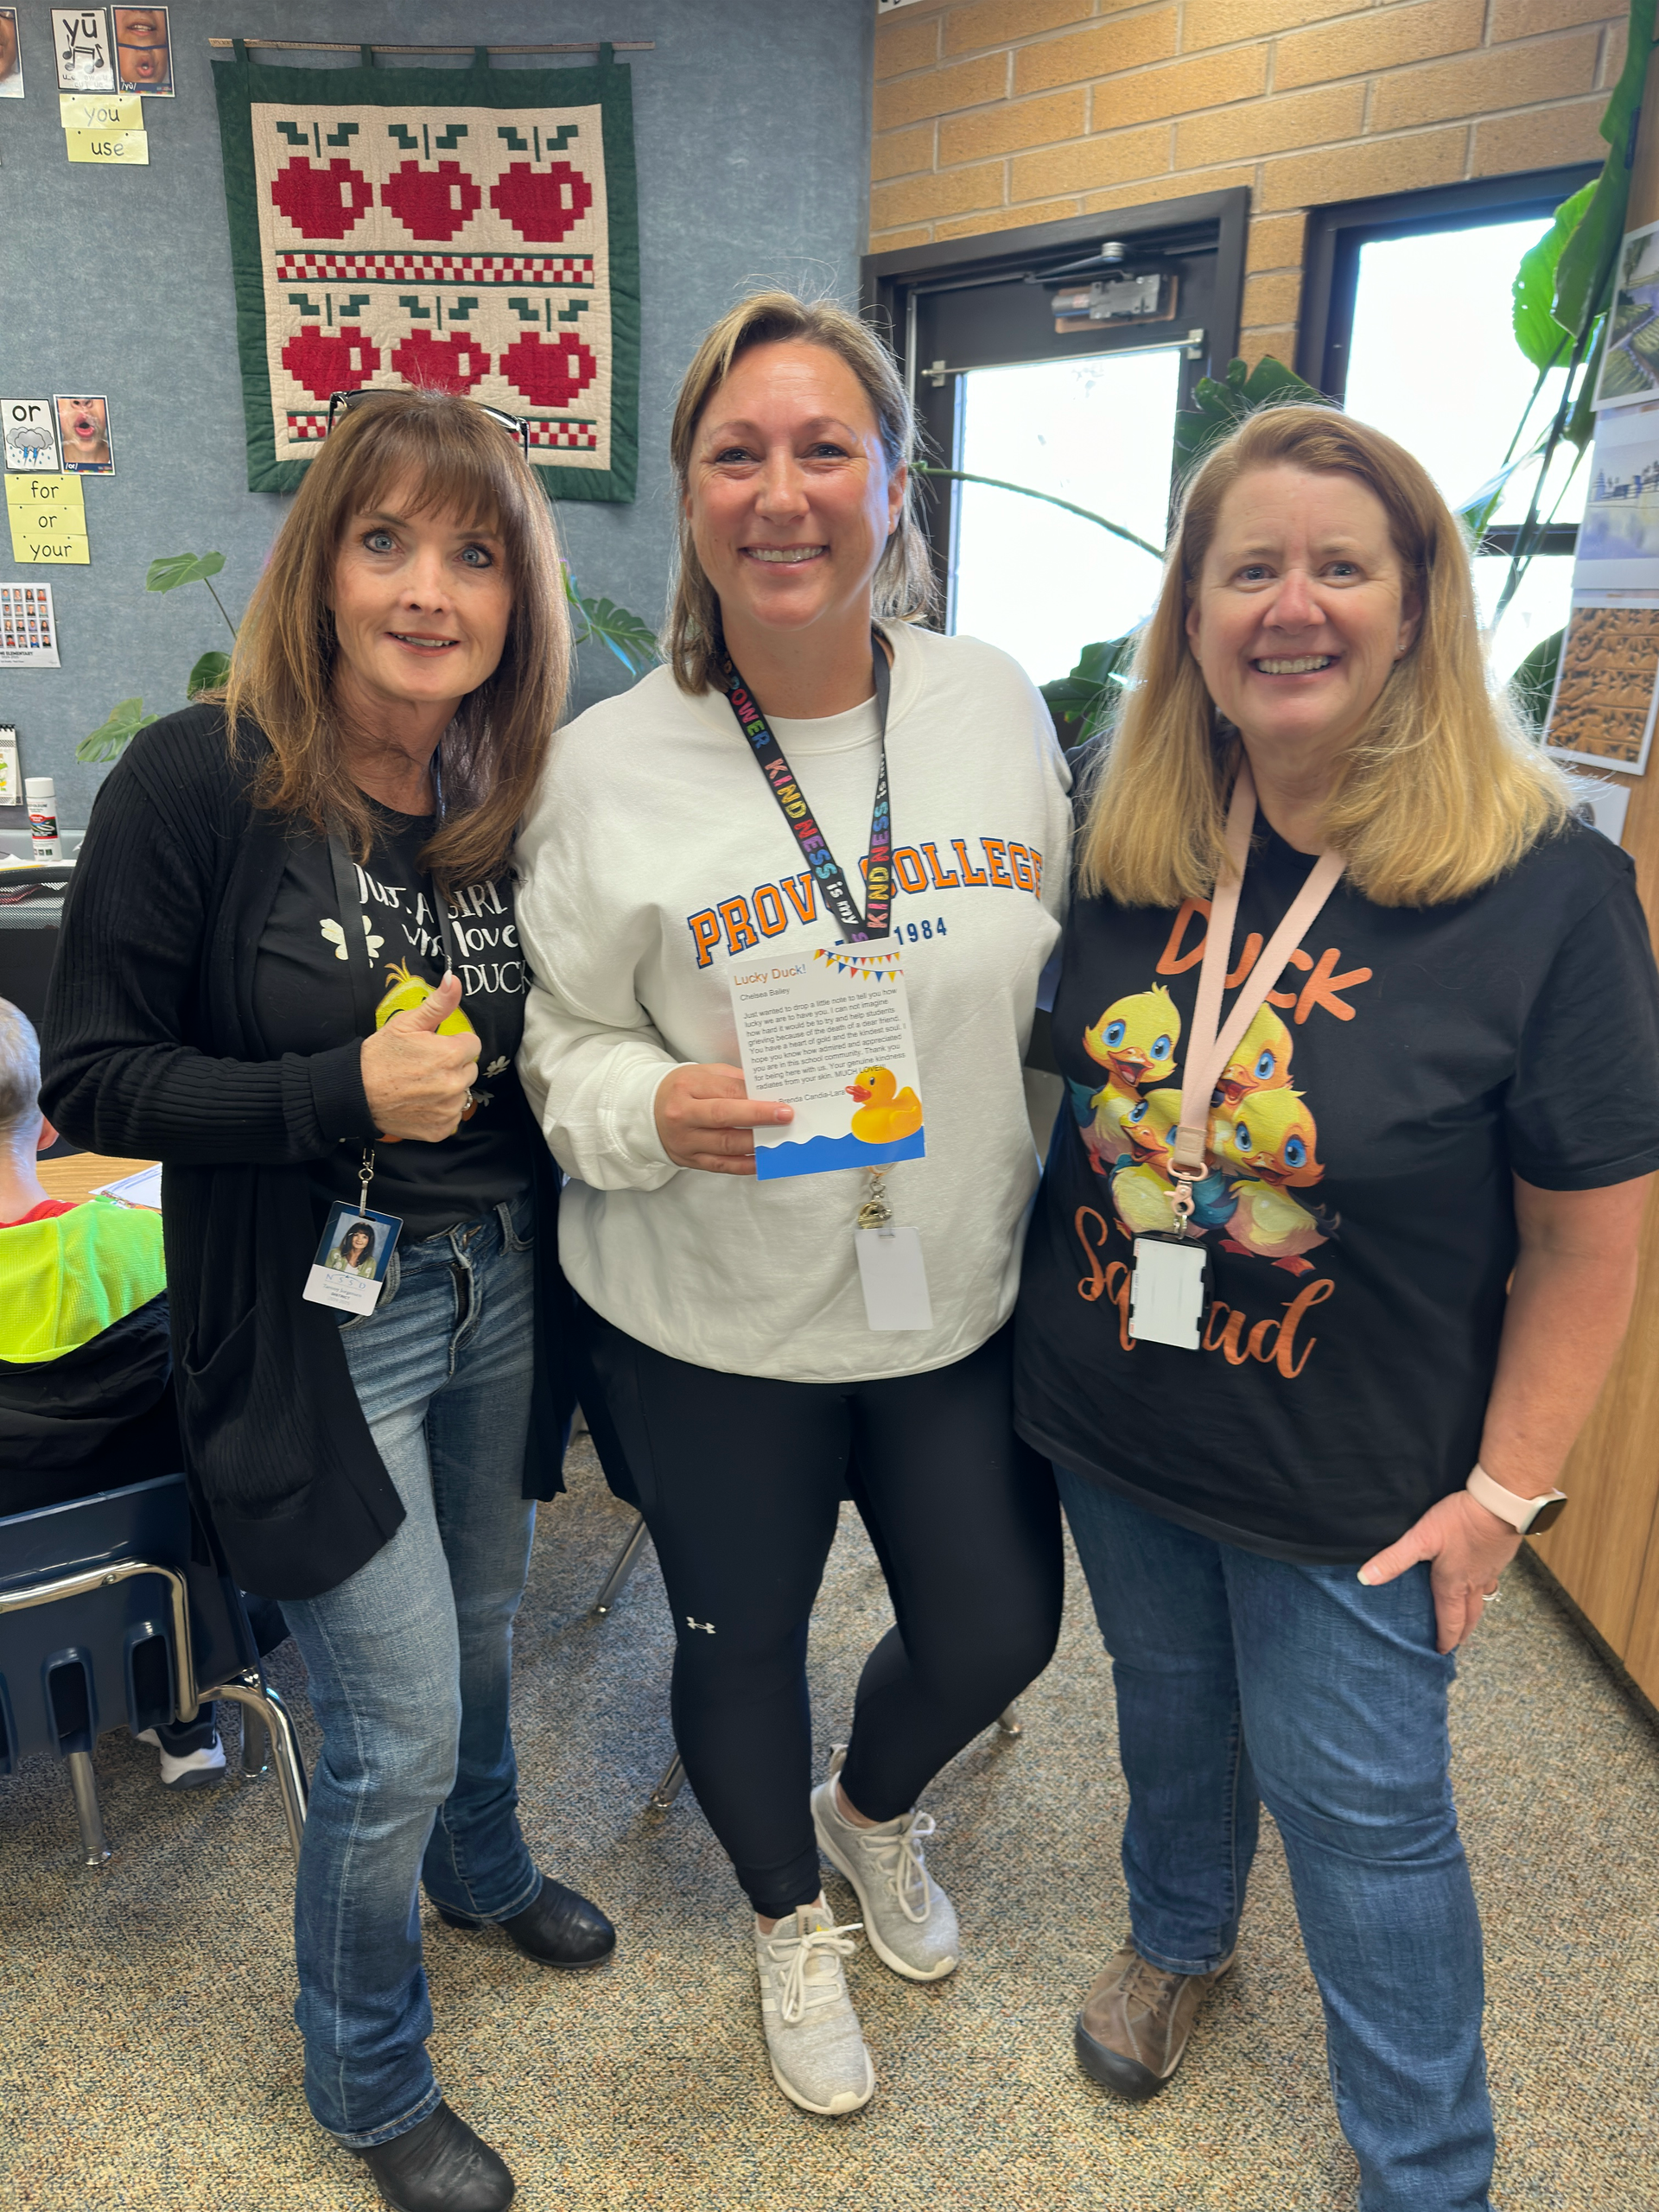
(303, 1003)
(1359, 1211)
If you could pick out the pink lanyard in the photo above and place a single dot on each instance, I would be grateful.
(1208, 1053)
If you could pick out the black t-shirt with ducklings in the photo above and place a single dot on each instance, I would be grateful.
(303, 1003)
(1359, 1210)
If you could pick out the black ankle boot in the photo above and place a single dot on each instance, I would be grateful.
(556, 1928)
(440, 2166)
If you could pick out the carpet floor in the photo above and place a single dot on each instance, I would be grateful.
(148, 2058)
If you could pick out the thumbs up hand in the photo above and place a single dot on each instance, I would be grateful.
(416, 1082)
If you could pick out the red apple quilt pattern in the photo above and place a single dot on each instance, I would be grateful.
(473, 230)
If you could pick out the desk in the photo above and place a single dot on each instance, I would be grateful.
(78, 1178)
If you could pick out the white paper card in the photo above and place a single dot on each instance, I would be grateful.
(1167, 1294)
(826, 1028)
(143, 1189)
(893, 1279)
(346, 1292)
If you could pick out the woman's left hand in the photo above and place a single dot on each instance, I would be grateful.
(1469, 1547)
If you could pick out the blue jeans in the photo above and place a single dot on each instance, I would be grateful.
(410, 1666)
(1243, 1681)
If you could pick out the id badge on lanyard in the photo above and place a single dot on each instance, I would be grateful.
(1169, 1284)
(891, 1271)
(349, 1267)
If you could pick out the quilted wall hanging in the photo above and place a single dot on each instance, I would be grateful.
(473, 229)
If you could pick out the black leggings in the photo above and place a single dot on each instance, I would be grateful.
(741, 1480)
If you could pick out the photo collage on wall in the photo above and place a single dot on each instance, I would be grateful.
(1606, 692)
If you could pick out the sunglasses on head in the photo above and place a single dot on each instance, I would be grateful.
(341, 403)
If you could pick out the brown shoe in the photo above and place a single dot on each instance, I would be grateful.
(1132, 2029)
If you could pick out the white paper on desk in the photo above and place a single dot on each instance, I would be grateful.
(143, 1189)
(825, 1027)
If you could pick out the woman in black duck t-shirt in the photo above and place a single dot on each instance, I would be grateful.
(1456, 1078)
(406, 647)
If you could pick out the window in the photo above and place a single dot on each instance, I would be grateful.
(1084, 414)
(1406, 320)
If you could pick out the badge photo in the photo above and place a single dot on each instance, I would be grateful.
(352, 1259)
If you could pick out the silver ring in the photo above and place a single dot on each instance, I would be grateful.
(1490, 1595)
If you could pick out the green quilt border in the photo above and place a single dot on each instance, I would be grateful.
(608, 86)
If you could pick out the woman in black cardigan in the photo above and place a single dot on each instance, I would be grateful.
(269, 892)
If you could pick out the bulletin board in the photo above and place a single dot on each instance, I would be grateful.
(471, 230)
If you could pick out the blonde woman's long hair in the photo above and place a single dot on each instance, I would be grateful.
(904, 589)
(1439, 791)
(282, 668)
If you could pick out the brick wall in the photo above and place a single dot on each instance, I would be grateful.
(993, 113)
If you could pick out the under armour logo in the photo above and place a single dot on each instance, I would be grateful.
(708, 1627)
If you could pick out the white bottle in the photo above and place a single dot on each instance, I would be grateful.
(42, 796)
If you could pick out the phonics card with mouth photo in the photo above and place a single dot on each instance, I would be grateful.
(143, 51)
(11, 57)
(83, 434)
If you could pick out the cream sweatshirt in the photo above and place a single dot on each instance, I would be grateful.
(656, 852)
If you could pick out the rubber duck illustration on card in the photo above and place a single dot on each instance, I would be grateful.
(884, 1113)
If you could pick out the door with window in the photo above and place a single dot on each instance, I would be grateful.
(1055, 358)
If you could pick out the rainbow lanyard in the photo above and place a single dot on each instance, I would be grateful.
(827, 871)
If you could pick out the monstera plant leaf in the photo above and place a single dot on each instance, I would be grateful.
(1540, 338)
(1219, 406)
(629, 636)
(1082, 701)
(173, 570)
(208, 675)
(112, 737)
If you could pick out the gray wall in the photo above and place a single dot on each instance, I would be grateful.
(751, 133)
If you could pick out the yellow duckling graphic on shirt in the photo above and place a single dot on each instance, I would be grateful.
(1134, 1040)
(407, 991)
(1261, 1061)
(1141, 1190)
(1270, 1145)
(884, 1113)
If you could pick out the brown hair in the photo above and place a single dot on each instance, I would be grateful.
(281, 669)
(1438, 790)
(904, 589)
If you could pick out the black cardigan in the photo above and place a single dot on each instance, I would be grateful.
(151, 1050)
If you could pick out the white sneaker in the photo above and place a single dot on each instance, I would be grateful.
(910, 1922)
(191, 1771)
(813, 2038)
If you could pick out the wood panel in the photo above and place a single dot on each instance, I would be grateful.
(1604, 1550)
(1599, 1548)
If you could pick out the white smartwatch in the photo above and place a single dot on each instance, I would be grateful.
(1525, 1515)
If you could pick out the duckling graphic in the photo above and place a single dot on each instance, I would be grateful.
(1260, 1062)
(884, 1113)
(1134, 1041)
(407, 991)
(1268, 1145)
(1142, 1185)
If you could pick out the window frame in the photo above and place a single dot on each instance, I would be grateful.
(1330, 254)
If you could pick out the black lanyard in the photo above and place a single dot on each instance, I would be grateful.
(359, 968)
(827, 871)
